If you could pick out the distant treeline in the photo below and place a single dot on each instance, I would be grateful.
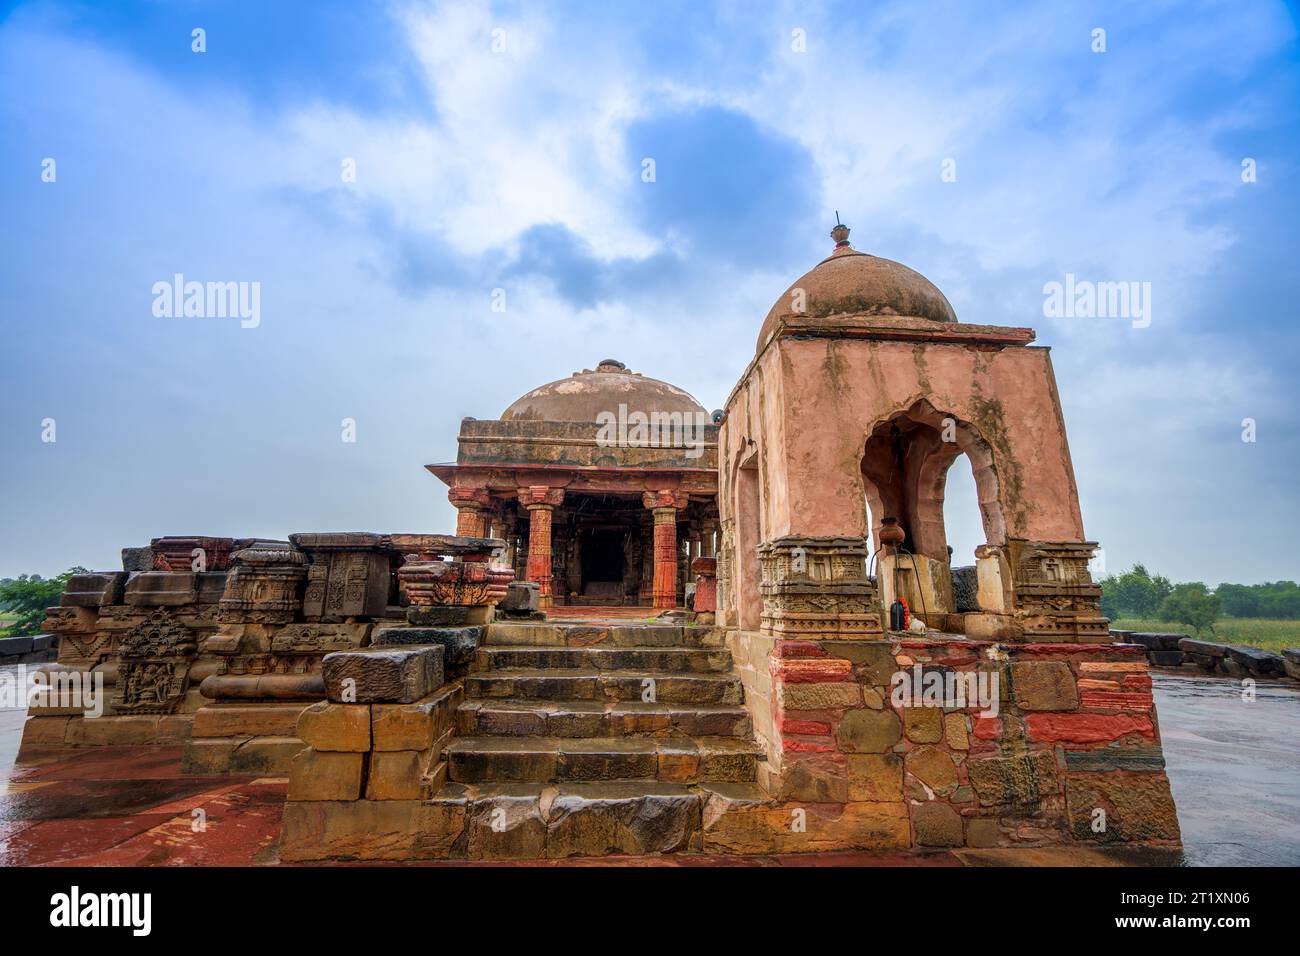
(1276, 599)
(1138, 593)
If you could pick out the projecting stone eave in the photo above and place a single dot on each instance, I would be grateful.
(886, 328)
(505, 479)
(447, 471)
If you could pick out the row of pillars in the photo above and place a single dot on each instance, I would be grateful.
(541, 501)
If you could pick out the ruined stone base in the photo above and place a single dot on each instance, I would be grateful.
(258, 737)
(1071, 761)
(52, 728)
(46, 733)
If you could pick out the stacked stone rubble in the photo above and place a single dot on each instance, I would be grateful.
(374, 754)
(218, 643)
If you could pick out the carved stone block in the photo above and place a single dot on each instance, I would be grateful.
(382, 675)
(153, 673)
(350, 575)
(459, 584)
(817, 586)
(264, 586)
(318, 638)
(1054, 597)
(191, 553)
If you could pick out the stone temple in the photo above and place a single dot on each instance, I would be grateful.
(660, 630)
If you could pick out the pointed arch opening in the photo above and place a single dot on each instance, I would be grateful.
(906, 462)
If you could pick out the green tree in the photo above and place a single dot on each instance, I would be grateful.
(1238, 600)
(1134, 593)
(1191, 604)
(28, 595)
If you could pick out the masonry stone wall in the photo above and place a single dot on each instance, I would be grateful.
(1067, 753)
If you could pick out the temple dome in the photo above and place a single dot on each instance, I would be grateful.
(848, 282)
(584, 395)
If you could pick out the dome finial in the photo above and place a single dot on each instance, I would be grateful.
(840, 233)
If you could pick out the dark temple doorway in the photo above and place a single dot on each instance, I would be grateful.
(602, 563)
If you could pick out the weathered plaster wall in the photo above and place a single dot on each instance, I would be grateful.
(835, 390)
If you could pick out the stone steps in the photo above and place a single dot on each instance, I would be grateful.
(504, 821)
(546, 634)
(560, 753)
(622, 685)
(595, 718)
(683, 760)
(600, 657)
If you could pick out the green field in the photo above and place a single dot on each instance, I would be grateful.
(1256, 632)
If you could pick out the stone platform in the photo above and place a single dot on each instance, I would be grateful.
(578, 739)
(116, 805)
(132, 806)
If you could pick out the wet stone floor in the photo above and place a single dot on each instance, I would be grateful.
(1234, 766)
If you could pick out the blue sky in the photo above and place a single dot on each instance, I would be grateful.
(521, 169)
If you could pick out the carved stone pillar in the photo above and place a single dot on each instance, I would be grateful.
(541, 502)
(469, 503)
(708, 533)
(665, 505)
(706, 589)
(509, 529)
(646, 588)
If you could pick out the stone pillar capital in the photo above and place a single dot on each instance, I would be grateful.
(467, 496)
(541, 496)
(664, 499)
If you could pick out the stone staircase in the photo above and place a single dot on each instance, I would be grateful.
(599, 738)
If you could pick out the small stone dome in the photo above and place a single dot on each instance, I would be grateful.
(848, 282)
(584, 395)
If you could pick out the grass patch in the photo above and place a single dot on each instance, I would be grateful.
(1271, 635)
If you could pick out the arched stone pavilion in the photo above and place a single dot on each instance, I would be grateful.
(596, 515)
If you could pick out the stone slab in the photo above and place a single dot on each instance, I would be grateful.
(10, 646)
(383, 675)
(93, 590)
(137, 559)
(247, 720)
(415, 726)
(1155, 641)
(1190, 645)
(1115, 758)
(1166, 658)
(1044, 685)
(522, 598)
(459, 643)
(161, 589)
(1259, 662)
(438, 616)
